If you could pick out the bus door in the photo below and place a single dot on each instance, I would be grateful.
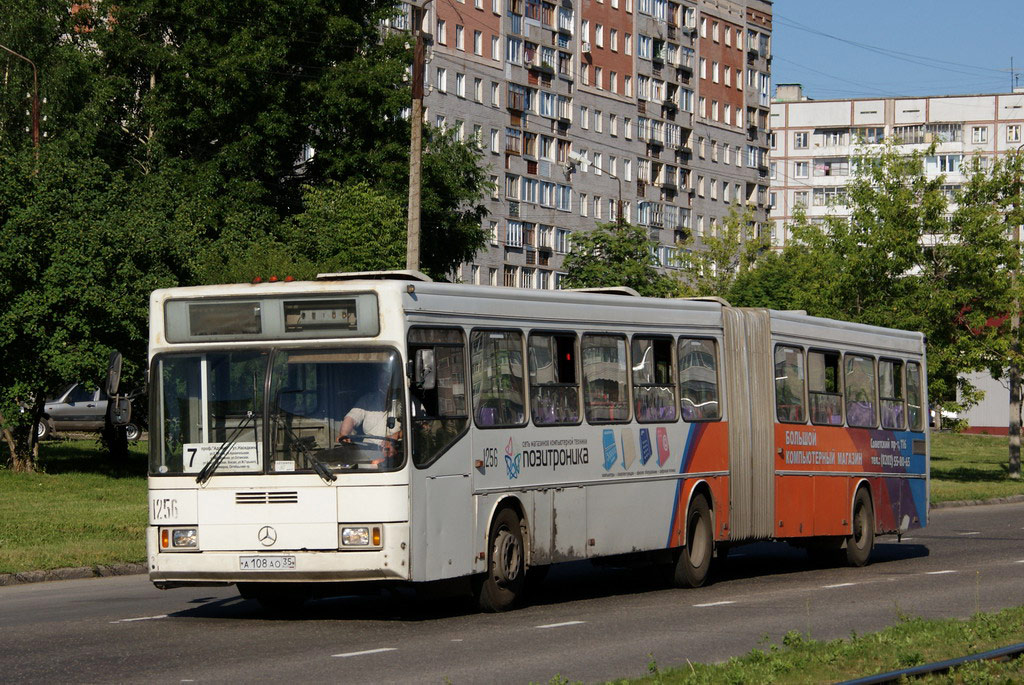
(442, 512)
(748, 375)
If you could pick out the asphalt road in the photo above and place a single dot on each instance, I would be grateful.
(587, 624)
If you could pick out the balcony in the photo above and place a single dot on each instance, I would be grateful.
(515, 102)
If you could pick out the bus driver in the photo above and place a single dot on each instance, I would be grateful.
(372, 414)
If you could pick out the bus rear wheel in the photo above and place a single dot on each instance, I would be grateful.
(502, 585)
(694, 560)
(861, 540)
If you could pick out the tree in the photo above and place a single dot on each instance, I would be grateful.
(901, 258)
(711, 268)
(179, 150)
(993, 198)
(616, 254)
(75, 273)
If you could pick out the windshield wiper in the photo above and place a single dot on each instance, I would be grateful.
(215, 461)
(318, 466)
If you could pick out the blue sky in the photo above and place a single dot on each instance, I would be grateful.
(861, 48)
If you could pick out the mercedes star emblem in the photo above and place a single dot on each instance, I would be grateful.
(267, 536)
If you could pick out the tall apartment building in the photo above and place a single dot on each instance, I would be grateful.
(583, 106)
(813, 141)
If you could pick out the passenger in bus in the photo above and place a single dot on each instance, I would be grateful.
(371, 414)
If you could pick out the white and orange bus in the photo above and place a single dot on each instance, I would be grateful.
(382, 427)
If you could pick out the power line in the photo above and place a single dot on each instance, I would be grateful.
(920, 60)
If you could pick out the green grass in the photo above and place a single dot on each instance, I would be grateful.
(971, 467)
(78, 510)
(911, 642)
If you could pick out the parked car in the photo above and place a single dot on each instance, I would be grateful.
(79, 408)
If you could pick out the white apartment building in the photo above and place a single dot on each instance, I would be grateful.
(812, 142)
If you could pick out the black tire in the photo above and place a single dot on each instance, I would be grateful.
(695, 559)
(43, 430)
(132, 432)
(502, 585)
(861, 540)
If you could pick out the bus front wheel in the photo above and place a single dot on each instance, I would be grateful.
(862, 536)
(695, 559)
(502, 585)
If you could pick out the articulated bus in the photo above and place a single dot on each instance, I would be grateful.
(309, 438)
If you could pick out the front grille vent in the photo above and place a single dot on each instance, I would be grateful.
(267, 497)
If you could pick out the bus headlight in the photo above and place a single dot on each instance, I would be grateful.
(179, 539)
(366, 537)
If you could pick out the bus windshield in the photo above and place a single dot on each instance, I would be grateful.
(342, 409)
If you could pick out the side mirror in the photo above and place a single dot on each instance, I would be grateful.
(120, 411)
(114, 373)
(424, 375)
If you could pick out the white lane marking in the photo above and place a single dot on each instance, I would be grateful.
(938, 573)
(560, 625)
(141, 618)
(1019, 562)
(829, 587)
(715, 604)
(367, 651)
(972, 532)
(456, 639)
(905, 538)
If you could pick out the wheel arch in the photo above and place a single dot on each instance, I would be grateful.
(863, 484)
(513, 502)
(701, 487)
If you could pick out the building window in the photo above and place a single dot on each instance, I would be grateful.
(801, 169)
(1013, 133)
(442, 32)
(478, 42)
(460, 40)
(442, 80)
(800, 140)
(979, 134)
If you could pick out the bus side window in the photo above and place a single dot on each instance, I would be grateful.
(890, 393)
(554, 382)
(860, 391)
(789, 384)
(497, 359)
(698, 379)
(605, 382)
(915, 416)
(654, 383)
(437, 390)
(823, 393)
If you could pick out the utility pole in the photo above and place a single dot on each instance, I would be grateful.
(412, 246)
(35, 98)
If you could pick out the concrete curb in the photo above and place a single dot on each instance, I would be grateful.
(135, 569)
(71, 573)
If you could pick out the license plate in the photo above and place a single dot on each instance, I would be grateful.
(266, 563)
